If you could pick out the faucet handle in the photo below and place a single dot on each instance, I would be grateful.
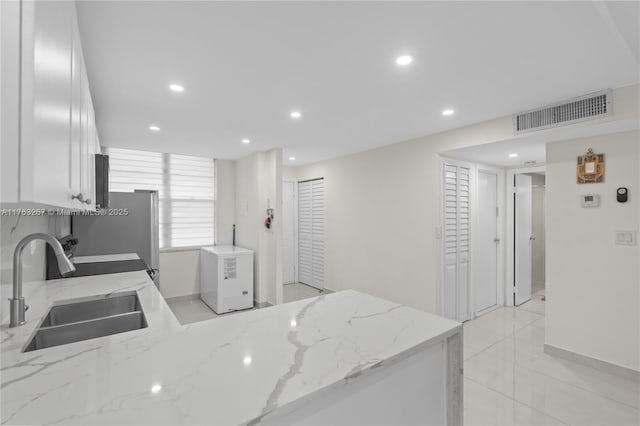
(26, 307)
(78, 197)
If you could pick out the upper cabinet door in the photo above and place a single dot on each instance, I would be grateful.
(10, 100)
(46, 103)
(78, 119)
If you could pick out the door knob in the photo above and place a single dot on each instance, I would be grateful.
(496, 240)
(532, 238)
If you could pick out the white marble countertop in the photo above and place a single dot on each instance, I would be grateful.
(230, 370)
(105, 258)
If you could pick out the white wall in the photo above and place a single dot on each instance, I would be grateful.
(258, 185)
(225, 201)
(15, 228)
(289, 173)
(383, 209)
(593, 286)
(179, 273)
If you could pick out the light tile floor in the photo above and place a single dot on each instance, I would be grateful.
(509, 380)
(190, 311)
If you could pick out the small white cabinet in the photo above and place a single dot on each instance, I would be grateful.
(51, 137)
(226, 278)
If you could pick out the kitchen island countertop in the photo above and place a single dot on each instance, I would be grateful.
(231, 370)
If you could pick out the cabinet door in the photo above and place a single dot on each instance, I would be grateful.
(78, 119)
(46, 99)
(10, 100)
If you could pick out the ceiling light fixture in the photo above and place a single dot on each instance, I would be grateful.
(154, 128)
(292, 158)
(246, 141)
(404, 60)
(514, 155)
(295, 114)
(448, 112)
(247, 360)
(156, 388)
(176, 87)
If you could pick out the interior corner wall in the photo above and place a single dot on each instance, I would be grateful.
(593, 284)
(258, 185)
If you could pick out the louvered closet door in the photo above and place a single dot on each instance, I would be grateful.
(311, 233)
(456, 248)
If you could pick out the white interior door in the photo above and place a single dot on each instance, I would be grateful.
(486, 240)
(456, 220)
(288, 232)
(311, 233)
(523, 238)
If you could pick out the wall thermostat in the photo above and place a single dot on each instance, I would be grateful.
(590, 200)
(622, 194)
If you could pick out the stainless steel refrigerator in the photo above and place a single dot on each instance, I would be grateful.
(129, 225)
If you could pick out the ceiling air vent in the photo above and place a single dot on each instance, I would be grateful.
(588, 107)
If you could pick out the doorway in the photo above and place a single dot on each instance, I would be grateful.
(486, 283)
(311, 220)
(527, 234)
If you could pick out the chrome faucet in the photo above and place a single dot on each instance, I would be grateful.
(16, 304)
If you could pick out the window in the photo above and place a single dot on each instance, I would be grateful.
(186, 192)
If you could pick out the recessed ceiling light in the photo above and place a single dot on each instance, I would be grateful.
(154, 128)
(295, 114)
(404, 60)
(176, 87)
(156, 388)
(247, 360)
(246, 141)
(292, 158)
(447, 112)
(514, 155)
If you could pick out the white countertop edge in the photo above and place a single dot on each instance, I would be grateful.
(357, 375)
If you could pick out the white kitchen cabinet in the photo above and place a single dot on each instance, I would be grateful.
(48, 157)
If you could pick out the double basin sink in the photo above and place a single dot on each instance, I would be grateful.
(89, 319)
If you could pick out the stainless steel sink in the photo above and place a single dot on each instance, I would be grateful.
(89, 319)
(92, 309)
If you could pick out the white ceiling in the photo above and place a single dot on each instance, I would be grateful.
(246, 65)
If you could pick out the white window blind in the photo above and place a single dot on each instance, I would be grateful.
(186, 192)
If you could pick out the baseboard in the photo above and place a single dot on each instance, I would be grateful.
(184, 298)
(260, 305)
(595, 363)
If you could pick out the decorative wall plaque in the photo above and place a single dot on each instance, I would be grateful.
(591, 167)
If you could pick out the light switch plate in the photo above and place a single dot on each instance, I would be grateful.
(626, 238)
